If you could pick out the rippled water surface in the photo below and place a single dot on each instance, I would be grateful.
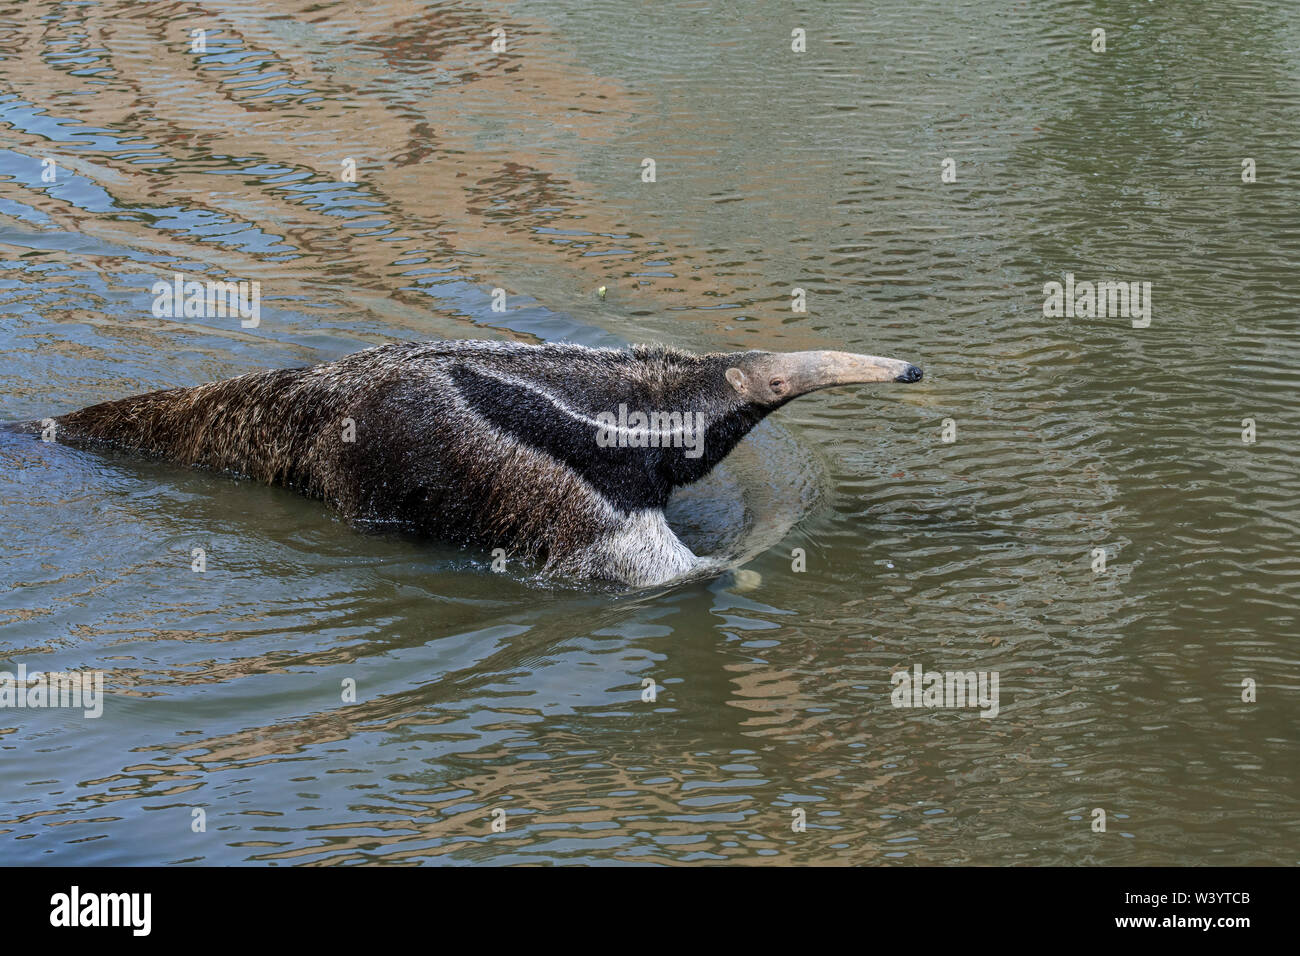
(481, 693)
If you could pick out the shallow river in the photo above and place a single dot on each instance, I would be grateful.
(873, 543)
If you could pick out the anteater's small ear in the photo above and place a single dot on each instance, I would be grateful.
(737, 379)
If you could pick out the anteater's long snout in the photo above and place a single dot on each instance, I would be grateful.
(813, 370)
(912, 373)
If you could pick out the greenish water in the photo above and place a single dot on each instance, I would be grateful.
(483, 696)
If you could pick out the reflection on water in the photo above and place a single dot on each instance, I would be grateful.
(520, 170)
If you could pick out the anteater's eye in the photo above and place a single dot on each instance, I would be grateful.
(777, 385)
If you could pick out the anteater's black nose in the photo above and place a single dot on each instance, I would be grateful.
(913, 374)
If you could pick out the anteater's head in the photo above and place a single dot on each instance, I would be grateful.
(731, 392)
(770, 379)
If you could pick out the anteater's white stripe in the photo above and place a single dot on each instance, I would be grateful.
(573, 413)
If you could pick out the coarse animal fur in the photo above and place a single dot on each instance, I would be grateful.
(487, 444)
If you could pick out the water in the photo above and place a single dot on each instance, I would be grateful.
(482, 695)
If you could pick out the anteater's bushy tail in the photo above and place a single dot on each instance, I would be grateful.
(263, 425)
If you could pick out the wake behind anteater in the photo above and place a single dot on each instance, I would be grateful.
(562, 455)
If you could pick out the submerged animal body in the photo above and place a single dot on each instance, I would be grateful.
(561, 455)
